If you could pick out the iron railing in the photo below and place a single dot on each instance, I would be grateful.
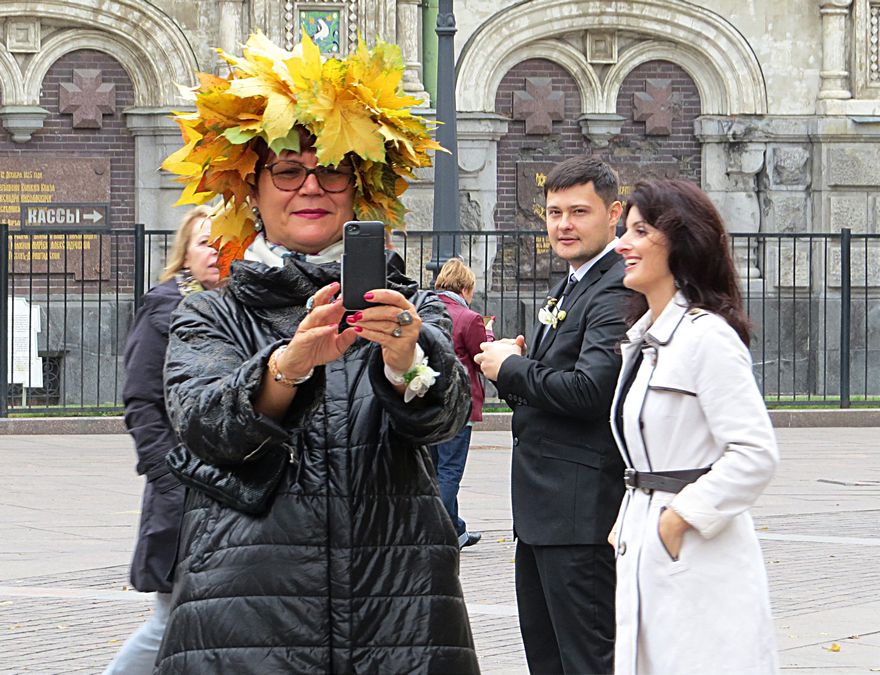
(71, 296)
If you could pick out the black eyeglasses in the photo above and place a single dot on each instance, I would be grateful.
(289, 176)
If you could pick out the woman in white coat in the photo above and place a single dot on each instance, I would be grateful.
(691, 425)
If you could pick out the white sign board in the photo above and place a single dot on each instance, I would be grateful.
(25, 365)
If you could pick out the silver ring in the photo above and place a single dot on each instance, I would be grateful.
(310, 304)
(396, 332)
(404, 318)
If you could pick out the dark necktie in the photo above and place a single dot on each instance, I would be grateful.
(569, 287)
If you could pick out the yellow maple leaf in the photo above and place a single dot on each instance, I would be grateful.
(232, 223)
(192, 195)
(347, 127)
(177, 162)
(279, 116)
(306, 69)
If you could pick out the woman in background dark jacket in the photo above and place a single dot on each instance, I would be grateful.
(455, 286)
(191, 267)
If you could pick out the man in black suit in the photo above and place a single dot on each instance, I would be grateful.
(567, 481)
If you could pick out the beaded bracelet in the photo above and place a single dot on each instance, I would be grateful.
(280, 377)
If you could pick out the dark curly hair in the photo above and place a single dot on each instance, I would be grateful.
(699, 248)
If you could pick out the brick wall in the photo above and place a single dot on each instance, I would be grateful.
(565, 141)
(633, 153)
(112, 140)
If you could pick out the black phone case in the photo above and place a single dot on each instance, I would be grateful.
(363, 261)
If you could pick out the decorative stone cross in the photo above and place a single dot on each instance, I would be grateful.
(538, 105)
(87, 98)
(654, 107)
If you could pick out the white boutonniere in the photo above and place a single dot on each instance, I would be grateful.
(550, 314)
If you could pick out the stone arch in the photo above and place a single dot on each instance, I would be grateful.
(149, 44)
(710, 84)
(10, 78)
(68, 41)
(728, 56)
(559, 52)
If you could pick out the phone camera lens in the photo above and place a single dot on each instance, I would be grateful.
(353, 229)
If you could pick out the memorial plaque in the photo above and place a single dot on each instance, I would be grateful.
(630, 174)
(536, 259)
(44, 181)
(530, 179)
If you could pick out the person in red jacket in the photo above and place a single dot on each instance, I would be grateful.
(455, 285)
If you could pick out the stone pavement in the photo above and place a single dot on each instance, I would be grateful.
(69, 509)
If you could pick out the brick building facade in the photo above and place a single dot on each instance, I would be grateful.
(772, 107)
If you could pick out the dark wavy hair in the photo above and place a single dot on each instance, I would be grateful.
(699, 248)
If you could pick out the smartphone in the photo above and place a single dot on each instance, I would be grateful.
(363, 261)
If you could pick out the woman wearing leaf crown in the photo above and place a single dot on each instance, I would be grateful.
(314, 539)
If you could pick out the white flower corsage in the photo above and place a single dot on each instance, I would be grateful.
(550, 314)
(418, 379)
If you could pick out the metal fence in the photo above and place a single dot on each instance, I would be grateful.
(71, 296)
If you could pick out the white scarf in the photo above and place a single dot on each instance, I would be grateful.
(274, 255)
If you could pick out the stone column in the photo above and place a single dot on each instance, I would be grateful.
(835, 50)
(408, 34)
(229, 32)
(731, 163)
(156, 135)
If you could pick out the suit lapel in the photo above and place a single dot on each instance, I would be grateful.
(540, 328)
(596, 271)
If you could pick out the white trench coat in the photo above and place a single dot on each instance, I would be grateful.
(694, 403)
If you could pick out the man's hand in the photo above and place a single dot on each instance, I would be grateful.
(495, 353)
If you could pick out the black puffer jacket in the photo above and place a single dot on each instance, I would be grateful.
(353, 565)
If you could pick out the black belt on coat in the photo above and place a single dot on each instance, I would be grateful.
(665, 481)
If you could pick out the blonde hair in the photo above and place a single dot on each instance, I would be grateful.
(177, 257)
(455, 276)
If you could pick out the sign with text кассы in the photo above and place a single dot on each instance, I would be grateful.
(40, 217)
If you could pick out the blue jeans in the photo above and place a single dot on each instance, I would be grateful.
(449, 459)
(138, 654)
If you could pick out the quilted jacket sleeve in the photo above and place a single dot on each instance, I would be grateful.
(444, 410)
(211, 381)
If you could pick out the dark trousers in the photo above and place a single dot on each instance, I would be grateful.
(565, 597)
(449, 459)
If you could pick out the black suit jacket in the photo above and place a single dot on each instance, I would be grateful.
(567, 477)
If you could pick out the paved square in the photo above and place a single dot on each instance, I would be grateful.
(69, 508)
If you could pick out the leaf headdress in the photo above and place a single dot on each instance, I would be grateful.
(354, 107)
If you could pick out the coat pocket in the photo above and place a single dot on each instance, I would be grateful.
(165, 483)
(676, 564)
(578, 454)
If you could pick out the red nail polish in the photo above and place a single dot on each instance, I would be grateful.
(358, 329)
(358, 316)
(368, 296)
(350, 319)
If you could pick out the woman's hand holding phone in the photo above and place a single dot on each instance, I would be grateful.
(317, 339)
(382, 323)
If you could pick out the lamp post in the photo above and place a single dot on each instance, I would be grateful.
(445, 164)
